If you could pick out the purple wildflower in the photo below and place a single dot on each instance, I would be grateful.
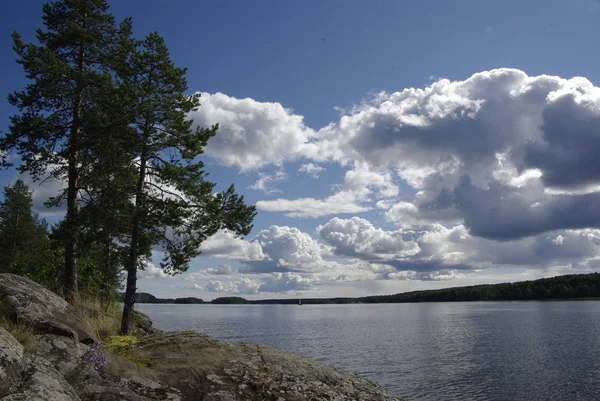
(95, 355)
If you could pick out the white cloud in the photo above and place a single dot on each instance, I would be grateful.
(286, 282)
(361, 179)
(462, 146)
(499, 169)
(361, 184)
(221, 270)
(403, 213)
(224, 244)
(311, 169)
(343, 202)
(288, 249)
(264, 183)
(483, 151)
(357, 237)
(217, 286)
(251, 134)
(247, 286)
(241, 285)
(192, 286)
(150, 271)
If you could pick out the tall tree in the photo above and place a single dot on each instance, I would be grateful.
(174, 204)
(23, 236)
(70, 73)
(106, 218)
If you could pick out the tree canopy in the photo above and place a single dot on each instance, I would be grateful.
(107, 114)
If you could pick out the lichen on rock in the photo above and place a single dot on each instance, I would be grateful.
(25, 301)
(11, 363)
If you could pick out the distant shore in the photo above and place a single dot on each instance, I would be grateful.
(566, 288)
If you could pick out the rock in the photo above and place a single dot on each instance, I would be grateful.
(42, 383)
(220, 396)
(23, 300)
(120, 379)
(204, 368)
(11, 363)
(143, 323)
(180, 366)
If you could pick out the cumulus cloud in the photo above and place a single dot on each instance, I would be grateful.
(192, 286)
(224, 244)
(437, 252)
(492, 151)
(498, 169)
(275, 249)
(251, 134)
(311, 169)
(150, 271)
(286, 282)
(241, 285)
(362, 179)
(288, 249)
(221, 270)
(357, 237)
(217, 286)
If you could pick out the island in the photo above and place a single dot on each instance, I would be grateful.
(145, 298)
(229, 300)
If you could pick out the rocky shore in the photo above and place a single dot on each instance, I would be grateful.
(66, 362)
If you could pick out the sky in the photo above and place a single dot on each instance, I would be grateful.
(388, 146)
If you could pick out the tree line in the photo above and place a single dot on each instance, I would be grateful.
(559, 287)
(106, 113)
(145, 298)
(574, 286)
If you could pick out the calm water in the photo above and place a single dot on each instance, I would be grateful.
(433, 351)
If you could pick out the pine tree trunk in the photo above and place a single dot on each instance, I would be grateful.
(128, 303)
(73, 178)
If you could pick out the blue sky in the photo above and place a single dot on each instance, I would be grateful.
(363, 184)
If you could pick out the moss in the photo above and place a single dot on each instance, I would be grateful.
(125, 347)
(118, 342)
(133, 356)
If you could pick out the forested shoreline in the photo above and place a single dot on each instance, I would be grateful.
(572, 286)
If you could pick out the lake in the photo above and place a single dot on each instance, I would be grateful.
(425, 351)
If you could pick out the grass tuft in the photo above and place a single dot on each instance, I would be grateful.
(23, 332)
(104, 321)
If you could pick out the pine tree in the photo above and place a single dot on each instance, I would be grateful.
(23, 236)
(70, 76)
(106, 218)
(174, 203)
